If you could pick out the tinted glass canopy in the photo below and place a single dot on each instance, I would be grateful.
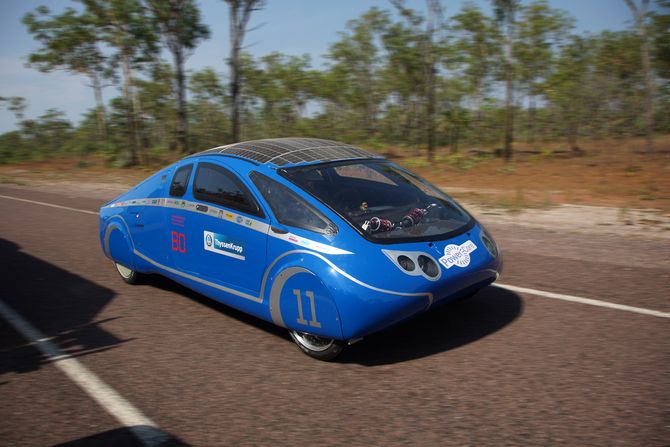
(383, 201)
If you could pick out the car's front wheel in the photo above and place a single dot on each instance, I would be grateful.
(128, 275)
(318, 347)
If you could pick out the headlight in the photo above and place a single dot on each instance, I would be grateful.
(428, 266)
(407, 262)
(489, 243)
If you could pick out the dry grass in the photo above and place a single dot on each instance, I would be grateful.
(611, 172)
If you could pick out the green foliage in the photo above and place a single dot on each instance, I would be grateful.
(179, 24)
(381, 75)
(660, 31)
(68, 42)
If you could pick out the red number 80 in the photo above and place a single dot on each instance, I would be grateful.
(178, 242)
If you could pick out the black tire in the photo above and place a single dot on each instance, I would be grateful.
(128, 275)
(320, 348)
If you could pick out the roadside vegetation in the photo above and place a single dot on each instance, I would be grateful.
(513, 109)
(422, 83)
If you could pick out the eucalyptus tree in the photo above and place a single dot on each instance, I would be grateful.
(238, 17)
(641, 15)
(403, 79)
(475, 49)
(541, 30)
(48, 133)
(283, 84)
(209, 121)
(660, 31)
(430, 44)
(15, 104)
(352, 82)
(125, 26)
(569, 87)
(180, 26)
(70, 42)
(505, 12)
(619, 81)
(156, 92)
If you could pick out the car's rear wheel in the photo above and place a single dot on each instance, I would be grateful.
(318, 347)
(128, 275)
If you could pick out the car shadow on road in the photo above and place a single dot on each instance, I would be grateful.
(60, 304)
(125, 437)
(169, 285)
(447, 327)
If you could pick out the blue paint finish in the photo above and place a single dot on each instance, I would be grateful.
(339, 286)
(306, 305)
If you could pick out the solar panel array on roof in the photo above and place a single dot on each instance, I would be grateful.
(284, 151)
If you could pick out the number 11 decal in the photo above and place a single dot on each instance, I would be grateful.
(301, 319)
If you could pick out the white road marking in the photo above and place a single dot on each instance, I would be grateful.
(126, 413)
(52, 205)
(589, 301)
(542, 293)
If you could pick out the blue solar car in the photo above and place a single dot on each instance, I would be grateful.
(327, 240)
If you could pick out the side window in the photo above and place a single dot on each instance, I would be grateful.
(214, 183)
(180, 181)
(290, 209)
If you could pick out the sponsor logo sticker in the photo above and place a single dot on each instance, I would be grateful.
(458, 255)
(224, 245)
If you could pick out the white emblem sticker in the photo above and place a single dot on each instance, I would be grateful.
(224, 245)
(457, 254)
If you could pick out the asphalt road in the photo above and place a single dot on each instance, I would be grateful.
(499, 369)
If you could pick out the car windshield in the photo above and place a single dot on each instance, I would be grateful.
(382, 200)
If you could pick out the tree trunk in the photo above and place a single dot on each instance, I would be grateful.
(235, 97)
(100, 107)
(457, 138)
(573, 132)
(235, 78)
(182, 116)
(640, 15)
(650, 87)
(531, 119)
(430, 112)
(128, 96)
(509, 113)
(433, 16)
(478, 116)
(509, 86)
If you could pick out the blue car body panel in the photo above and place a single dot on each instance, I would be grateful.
(341, 285)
